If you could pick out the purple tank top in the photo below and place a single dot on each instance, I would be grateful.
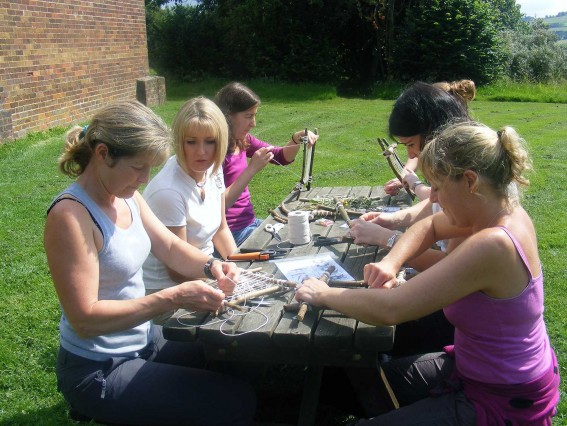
(502, 341)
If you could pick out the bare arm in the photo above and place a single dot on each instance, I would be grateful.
(181, 232)
(73, 262)
(411, 164)
(258, 161)
(416, 240)
(405, 217)
(421, 190)
(376, 228)
(475, 266)
(223, 239)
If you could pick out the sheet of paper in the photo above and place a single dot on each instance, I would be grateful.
(300, 268)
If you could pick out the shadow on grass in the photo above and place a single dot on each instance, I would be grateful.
(274, 92)
(55, 415)
(279, 390)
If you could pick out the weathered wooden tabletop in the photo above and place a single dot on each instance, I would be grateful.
(271, 335)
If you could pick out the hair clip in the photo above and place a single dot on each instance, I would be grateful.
(84, 131)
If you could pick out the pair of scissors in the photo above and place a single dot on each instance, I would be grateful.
(273, 229)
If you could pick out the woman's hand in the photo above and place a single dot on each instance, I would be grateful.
(311, 137)
(381, 274)
(369, 233)
(198, 296)
(410, 177)
(311, 291)
(370, 216)
(226, 274)
(393, 186)
(383, 219)
(260, 159)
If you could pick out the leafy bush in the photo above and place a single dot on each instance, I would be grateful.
(534, 55)
(448, 40)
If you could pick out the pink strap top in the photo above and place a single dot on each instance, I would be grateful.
(502, 341)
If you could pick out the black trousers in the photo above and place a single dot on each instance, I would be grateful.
(167, 385)
(428, 334)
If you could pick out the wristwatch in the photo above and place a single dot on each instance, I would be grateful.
(207, 268)
(392, 240)
(415, 184)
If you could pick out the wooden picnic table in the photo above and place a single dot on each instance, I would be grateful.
(272, 335)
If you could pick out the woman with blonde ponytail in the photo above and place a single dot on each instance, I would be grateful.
(502, 368)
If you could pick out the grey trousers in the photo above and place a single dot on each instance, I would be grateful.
(414, 380)
(167, 385)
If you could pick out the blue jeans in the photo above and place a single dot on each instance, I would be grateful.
(241, 235)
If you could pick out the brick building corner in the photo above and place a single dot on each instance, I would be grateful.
(62, 60)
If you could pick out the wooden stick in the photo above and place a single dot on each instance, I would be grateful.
(257, 293)
(389, 389)
(302, 311)
(277, 217)
(322, 207)
(347, 283)
(342, 211)
(291, 307)
(268, 279)
(232, 305)
(284, 209)
(303, 305)
(389, 151)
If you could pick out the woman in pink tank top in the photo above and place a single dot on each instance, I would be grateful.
(501, 369)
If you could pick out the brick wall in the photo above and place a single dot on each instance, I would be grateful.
(61, 60)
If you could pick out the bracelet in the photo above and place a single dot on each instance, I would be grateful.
(293, 140)
(207, 268)
(416, 184)
(392, 240)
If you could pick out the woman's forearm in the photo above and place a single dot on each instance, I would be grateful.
(232, 192)
(224, 242)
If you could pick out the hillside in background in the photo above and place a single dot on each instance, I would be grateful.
(557, 24)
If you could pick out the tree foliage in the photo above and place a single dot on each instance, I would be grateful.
(447, 40)
(345, 42)
(533, 54)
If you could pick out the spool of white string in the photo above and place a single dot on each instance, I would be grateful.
(298, 226)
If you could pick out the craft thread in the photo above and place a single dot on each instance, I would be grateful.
(298, 224)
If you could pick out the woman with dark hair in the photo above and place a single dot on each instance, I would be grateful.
(240, 105)
(420, 111)
(417, 114)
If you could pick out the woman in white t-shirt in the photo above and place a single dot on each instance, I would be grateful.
(187, 194)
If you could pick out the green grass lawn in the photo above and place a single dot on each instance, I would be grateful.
(346, 154)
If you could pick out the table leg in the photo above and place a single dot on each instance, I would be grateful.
(310, 398)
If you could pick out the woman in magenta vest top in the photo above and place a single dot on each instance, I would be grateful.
(502, 369)
(247, 155)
